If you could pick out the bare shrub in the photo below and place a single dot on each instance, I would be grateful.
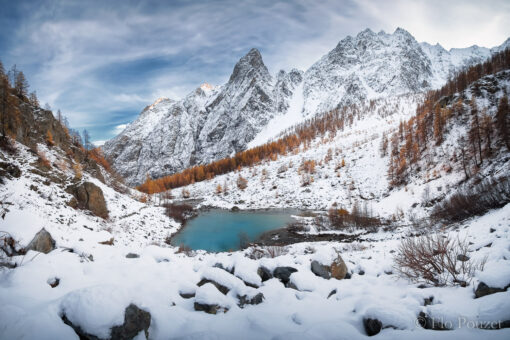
(179, 212)
(8, 245)
(8, 145)
(185, 193)
(265, 252)
(77, 170)
(43, 159)
(436, 259)
(306, 180)
(242, 183)
(308, 166)
(275, 251)
(184, 250)
(359, 217)
(474, 200)
(62, 165)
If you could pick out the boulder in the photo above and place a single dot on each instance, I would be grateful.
(255, 300)
(9, 169)
(209, 309)
(187, 295)
(372, 326)
(320, 270)
(338, 268)
(430, 323)
(283, 274)
(219, 286)
(462, 258)
(483, 290)
(89, 196)
(135, 321)
(264, 273)
(53, 282)
(42, 242)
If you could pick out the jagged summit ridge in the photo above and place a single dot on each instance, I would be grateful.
(209, 123)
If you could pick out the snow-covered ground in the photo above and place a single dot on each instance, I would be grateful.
(93, 292)
(278, 184)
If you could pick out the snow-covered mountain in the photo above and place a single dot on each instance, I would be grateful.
(214, 122)
(209, 123)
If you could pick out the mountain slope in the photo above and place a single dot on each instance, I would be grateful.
(253, 107)
(208, 124)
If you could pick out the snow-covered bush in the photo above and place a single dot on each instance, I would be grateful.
(436, 259)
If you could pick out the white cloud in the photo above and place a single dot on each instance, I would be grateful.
(119, 128)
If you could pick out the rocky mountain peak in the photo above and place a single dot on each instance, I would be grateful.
(215, 122)
(248, 66)
(403, 33)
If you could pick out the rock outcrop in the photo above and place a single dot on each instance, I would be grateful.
(136, 320)
(89, 196)
(42, 242)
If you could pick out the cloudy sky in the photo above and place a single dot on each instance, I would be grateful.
(101, 62)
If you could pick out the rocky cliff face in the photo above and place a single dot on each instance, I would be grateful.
(210, 123)
(214, 122)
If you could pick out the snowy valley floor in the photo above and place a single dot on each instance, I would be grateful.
(93, 292)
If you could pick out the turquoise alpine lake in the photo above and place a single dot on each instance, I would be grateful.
(222, 230)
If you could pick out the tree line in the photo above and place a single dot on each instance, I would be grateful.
(302, 135)
(14, 91)
(485, 134)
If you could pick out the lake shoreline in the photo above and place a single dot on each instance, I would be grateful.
(243, 217)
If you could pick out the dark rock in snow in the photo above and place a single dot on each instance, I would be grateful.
(291, 285)
(54, 282)
(428, 322)
(428, 301)
(264, 273)
(255, 300)
(283, 274)
(228, 270)
(42, 242)
(135, 321)
(187, 295)
(483, 290)
(333, 292)
(9, 169)
(372, 326)
(462, 258)
(81, 333)
(132, 256)
(209, 309)
(320, 270)
(219, 286)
